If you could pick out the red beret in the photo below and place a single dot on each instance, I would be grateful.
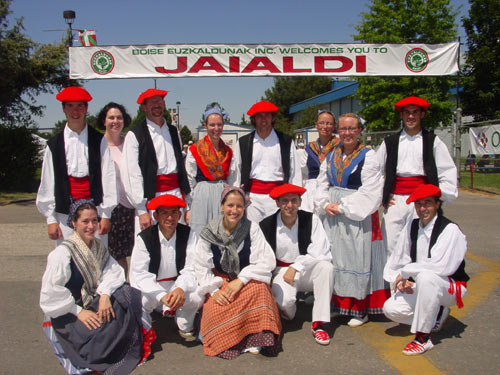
(424, 191)
(149, 93)
(278, 191)
(165, 200)
(74, 94)
(415, 100)
(262, 106)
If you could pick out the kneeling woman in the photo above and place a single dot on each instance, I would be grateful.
(94, 321)
(233, 266)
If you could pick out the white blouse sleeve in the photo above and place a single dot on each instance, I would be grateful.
(131, 174)
(295, 170)
(321, 196)
(262, 259)
(45, 199)
(112, 277)
(191, 169)
(234, 178)
(302, 156)
(55, 299)
(368, 197)
(108, 178)
(447, 171)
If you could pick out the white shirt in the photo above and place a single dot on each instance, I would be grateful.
(287, 245)
(262, 262)
(362, 202)
(131, 173)
(56, 299)
(266, 162)
(77, 163)
(446, 254)
(147, 283)
(116, 154)
(410, 162)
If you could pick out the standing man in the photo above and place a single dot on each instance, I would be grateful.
(162, 265)
(262, 160)
(152, 162)
(77, 165)
(303, 258)
(410, 158)
(426, 269)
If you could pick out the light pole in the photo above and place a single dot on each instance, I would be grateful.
(69, 17)
(178, 116)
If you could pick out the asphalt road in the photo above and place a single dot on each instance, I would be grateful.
(468, 343)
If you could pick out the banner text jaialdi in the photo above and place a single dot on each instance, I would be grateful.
(203, 60)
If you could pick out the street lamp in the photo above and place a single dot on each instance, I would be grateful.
(69, 17)
(178, 116)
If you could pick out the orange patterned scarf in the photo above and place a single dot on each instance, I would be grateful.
(323, 151)
(214, 165)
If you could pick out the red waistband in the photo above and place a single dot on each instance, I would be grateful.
(263, 187)
(168, 279)
(79, 187)
(406, 185)
(166, 182)
(279, 263)
(457, 290)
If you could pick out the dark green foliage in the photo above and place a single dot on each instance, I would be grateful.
(410, 21)
(481, 95)
(18, 159)
(186, 135)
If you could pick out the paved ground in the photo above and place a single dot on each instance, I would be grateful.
(468, 343)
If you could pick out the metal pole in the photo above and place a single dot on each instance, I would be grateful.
(458, 120)
(178, 116)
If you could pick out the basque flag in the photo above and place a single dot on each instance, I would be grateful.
(88, 38)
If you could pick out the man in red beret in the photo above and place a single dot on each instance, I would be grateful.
(152, 161)
(262, 160)
(426, 269)
(409, 158)
(304, 259)
(77, 165)
(162, 265)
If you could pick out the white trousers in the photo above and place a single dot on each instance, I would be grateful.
(184, 316)
(421, 308)
(319, 279)
(62, 220)
(395, 219)
(262, 206)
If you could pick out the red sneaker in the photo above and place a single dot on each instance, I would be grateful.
(415, 348)
(320, 335)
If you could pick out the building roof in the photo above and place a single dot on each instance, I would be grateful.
(340, 90)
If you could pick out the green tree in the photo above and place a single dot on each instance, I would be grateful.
(481, 94)
(28, 69)
(186, 135)
(406, 21)
(18, 159)
(290, 90)
(244, 121)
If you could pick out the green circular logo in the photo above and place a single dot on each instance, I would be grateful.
(102, 62)
(417, 60)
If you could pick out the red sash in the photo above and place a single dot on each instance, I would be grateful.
(263, 187)
(279, 263)
(457, 290)
(166, 182)
(406, 185)
(376, 232)
(168, 279)
(79, 187)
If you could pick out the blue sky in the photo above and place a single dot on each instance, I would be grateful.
(190, 21)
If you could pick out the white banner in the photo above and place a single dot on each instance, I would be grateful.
(485, 140)
(211, 60)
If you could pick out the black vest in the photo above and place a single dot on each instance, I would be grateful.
(439, 225)
(243, 255)
(392, 146)
(61, 179)
(75, 283)
(151, 239)
(246, 153)
(149, 164)
(269, 224)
